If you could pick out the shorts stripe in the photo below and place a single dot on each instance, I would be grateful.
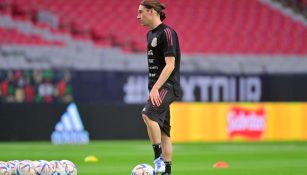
(163, 94)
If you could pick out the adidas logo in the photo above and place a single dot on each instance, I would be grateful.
(70, 129)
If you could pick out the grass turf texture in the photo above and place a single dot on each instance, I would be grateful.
(119, 157)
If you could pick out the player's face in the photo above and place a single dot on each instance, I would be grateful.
(144, 15)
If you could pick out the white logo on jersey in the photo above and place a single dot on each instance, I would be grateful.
(150, 52)
(154, 42)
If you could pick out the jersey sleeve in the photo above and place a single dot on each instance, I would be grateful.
(147, 36)
(169, 42)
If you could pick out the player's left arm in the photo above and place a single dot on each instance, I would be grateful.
(166, 72)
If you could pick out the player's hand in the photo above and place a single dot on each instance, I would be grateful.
(154, 96)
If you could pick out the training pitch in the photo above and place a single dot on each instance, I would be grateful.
(119, 157)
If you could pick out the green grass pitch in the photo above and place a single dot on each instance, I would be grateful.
(119, 157)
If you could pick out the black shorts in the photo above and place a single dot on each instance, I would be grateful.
(161, 114)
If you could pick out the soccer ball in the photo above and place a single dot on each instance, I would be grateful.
(143, 169)
(35, 163)
(44, 168)
(25, 167)
(58, 167)
(69, 167)
(12, 164)
(4, 169)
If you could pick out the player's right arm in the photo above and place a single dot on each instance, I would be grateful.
(166, 72)
(169, 51)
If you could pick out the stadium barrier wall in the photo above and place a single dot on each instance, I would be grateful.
(117, 87)
(131, 87)
(102, 121)
(32, 102)
(239, 121)
(190, 121)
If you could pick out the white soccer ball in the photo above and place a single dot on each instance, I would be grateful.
(25, 167)
(4, 169)
(58, 167)
(12, 164)
(70, 168)
(143, 169)
(35, 163)
(44, 168)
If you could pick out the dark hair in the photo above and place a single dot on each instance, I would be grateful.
(156, 5)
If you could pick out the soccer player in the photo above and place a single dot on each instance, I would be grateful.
(163, 81)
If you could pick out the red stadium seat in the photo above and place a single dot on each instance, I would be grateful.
(204, 26)
(12, 36)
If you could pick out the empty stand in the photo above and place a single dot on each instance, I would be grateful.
(204, 26)
(13, 36)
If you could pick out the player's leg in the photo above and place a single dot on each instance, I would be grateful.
(151, 118)
(154, 133)
(167, 148)
(148, 130)
(153, 129)
(167, 151)
(154, 118)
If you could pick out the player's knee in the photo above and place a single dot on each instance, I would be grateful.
(149, 122)
(145, 118)
(165, 136)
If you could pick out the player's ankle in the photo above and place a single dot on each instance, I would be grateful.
(168, 167)
(157, 150)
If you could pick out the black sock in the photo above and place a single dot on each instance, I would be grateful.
(157, 150)
(168, 167)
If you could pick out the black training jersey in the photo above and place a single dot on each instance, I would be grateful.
(163, 42)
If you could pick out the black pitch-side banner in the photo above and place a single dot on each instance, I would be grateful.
(131, 87)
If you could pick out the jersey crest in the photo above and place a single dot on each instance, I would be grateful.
(154, 42)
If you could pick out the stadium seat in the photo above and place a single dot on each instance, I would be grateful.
(204, 26)
(12, 36)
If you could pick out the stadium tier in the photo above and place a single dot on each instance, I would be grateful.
(13, 36)
(204, 26)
